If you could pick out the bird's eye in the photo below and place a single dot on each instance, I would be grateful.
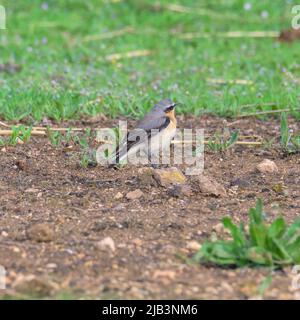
(169, 109)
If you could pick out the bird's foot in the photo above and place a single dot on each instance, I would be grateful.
(159, 166)
(154, 165)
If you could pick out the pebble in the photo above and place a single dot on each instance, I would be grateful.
(107, 244)
(169, 176)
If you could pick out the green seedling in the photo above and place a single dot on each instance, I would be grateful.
(55, 137)
(290, 143)
(220, 144)
(19, 133)
(270, 245)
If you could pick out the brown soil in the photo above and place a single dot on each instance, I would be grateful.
(40, 184)
(289, 35)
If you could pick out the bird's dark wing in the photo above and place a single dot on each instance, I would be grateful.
(151, 122)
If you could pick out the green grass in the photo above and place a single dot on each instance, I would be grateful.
(63, 76)
(289, 141)
(270, 245)
(220, 144)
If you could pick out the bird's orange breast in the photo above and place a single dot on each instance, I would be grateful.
(173, 121)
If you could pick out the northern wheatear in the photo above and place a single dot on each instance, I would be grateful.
(152, 134)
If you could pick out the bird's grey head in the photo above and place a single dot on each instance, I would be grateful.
(165, 105)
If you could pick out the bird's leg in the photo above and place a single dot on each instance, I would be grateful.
(153, 160)
(165, 158)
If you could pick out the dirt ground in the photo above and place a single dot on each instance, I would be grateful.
(78, 207)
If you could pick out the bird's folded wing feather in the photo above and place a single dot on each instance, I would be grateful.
(142, 132)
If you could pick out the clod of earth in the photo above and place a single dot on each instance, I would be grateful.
(146, 177)
(10, 67)
(267, 166)
(40, 232)
(209, 186)
(178, 191)
(241, 183)
(32, 285)
(21, 164)
(289, 35)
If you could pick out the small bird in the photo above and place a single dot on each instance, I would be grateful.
(155, 131)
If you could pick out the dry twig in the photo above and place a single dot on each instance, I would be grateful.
(128, 55)
(225, 81)
(229, 34)
(108, 35)
(260, 113)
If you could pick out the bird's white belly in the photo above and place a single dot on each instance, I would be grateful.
(162, 140)
(158, 142)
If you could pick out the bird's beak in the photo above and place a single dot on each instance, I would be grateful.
(177, 104)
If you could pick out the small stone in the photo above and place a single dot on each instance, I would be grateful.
(118, 196)
(3, 150)
(133, 195)
(164, 276)
(179, 191)
(219, 228)
(32, 190)
(169, 176)
(4, 234)
(40, 232)
(209, 186)
(16, 249)
(19, 141)
(51, 266)
(107, 244)
(267, 166)
(138, 242)
(193, 245)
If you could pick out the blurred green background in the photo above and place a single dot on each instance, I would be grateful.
(63, 59)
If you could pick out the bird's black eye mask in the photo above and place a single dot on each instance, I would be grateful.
(170, 108)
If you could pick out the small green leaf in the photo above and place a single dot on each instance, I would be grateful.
(259, 255)
(284, 130)
(273, 246)
(237, 235)
(233, 139)
(277, 228)
(265, 284)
